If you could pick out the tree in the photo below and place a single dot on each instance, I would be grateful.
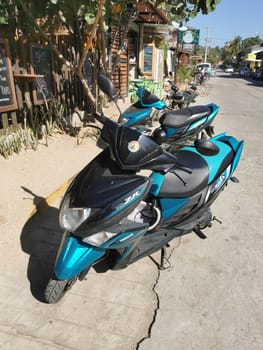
(186, 9)
(236, 48)
(34, 16)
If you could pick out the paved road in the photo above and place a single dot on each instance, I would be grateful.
(212, 296)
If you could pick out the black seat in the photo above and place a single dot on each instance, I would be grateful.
(148, 98)
(182, 183)
(185, 116)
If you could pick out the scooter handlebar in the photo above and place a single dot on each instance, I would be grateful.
(101, 118)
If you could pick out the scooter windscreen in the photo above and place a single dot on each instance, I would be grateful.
(132, 150)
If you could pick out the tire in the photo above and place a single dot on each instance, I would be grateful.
(56, 289)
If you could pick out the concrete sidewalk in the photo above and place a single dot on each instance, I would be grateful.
(107, 311)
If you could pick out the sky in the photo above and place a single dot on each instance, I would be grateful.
(231, 18)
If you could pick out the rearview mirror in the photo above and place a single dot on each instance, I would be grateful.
(106, 85)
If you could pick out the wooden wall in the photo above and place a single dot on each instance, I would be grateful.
(119, 52)
(34, 75)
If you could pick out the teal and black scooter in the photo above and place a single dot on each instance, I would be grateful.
(113, 215)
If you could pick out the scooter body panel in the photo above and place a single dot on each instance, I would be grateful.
(74, 257)
(133, 116)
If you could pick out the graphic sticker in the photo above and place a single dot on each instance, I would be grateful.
(133, 146)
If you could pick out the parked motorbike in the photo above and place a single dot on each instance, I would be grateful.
(142, 114)
(180, 99)
(113, 216)
(176, 127)
(146, 110)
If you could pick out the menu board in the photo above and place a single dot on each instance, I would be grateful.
(7, 88)
(42, 65)
(148, 59)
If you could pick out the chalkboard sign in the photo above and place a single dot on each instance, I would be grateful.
(41, 59)
(148, 59)
(7, 88)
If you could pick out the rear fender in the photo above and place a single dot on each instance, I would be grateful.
(75, 256)
(206, 120)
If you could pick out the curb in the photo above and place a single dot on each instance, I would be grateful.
(44, 203)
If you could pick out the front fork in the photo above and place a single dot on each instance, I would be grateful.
(75, 256)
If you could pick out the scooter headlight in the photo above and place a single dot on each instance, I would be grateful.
(99, 238)
(71, 218)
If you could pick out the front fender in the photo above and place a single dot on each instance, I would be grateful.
(75, 256)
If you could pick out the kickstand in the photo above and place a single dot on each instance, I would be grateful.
(165, 263)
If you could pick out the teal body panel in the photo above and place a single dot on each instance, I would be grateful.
(170, 206)
(136, 117)
(74, 257)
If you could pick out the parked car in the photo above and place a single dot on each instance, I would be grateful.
(244, 72)
(229, 69)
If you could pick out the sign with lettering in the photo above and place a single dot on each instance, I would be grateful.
(7, 88)
(42, 65)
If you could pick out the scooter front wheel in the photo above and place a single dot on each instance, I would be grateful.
(56, 289)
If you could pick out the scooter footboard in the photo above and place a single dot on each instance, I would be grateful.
(75, 256)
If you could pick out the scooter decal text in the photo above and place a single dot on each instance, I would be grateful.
(131, 197)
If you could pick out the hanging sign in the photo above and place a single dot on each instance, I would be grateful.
(189, 36)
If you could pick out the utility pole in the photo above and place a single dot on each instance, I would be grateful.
(206, 44)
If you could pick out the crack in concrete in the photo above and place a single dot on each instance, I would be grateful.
(154, 313)
(164, 265)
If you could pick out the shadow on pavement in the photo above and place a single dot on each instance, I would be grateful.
(255, 83)
(250, 81)
(40, 238)
(228, 75)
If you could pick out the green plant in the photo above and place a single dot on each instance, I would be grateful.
(38, 122)
(16, 141)
(183, 73)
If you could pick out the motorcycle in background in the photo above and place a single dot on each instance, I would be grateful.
(113, 215)
(175, 98)
(176, 127)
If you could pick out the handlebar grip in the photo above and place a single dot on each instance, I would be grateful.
(100, 118)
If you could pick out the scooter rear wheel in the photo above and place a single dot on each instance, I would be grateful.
(56, 289)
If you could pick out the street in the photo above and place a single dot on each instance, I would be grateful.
(212, 296)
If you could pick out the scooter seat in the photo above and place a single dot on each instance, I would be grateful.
(199, 171)
(185, 116)
(148, 98)
(182, 183)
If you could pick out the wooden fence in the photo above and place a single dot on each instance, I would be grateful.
(31, 75)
